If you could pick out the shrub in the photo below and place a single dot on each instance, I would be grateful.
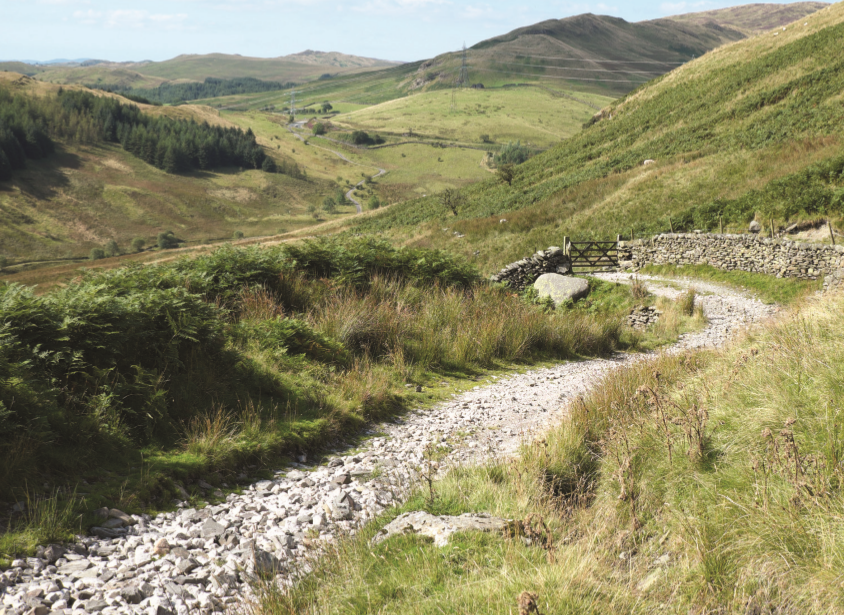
(328, 205)
(269, 165)
(319, 129)
(138, 244)
(373, 203)
(237, 235)
(96, 254)
(167, 240)
(111, 248)
(512, 153)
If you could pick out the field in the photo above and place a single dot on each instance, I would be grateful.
(532, 115)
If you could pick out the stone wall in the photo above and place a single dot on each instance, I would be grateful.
(523, 273)
(779, 257)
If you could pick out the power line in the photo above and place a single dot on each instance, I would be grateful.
(585, 70)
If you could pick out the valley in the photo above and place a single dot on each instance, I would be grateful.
(243, 336)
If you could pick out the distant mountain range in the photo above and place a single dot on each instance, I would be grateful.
(596, 53)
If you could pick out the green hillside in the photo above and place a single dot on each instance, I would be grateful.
(94, 189)
(751, 129)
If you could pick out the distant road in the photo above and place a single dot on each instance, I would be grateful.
(349, 194)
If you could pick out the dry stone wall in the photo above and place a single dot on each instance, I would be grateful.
(523, 273)
(778, 257)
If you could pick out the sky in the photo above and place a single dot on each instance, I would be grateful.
(404, 30)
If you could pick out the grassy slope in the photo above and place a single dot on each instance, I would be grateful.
(85, 195)
(746, 114)
(746, 519)
(533, 116)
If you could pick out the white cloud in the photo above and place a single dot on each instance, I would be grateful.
(131, 19)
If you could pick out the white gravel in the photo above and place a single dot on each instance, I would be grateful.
(206, 558)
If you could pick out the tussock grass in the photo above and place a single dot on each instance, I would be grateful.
(707, 482)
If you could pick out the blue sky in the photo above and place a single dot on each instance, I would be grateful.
(389, 29)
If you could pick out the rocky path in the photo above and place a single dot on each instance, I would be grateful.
(202, 560)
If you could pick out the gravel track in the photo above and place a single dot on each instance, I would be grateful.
(199, 561)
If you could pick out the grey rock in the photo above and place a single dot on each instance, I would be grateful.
(342, 479)
(265, 564)
(754, 227)
(38, 610)
(95, 605)
(53, 553)
(211, 529)
(77, 566)
(132, 594)
(105, 532)
(160, 610)
(179, 552)
(561, 288)
(119, 514)
(101, 513)
(187, 565)
(439, 528)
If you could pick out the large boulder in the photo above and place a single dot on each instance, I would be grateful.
(754, 227)
(561, 288)
(439, 528)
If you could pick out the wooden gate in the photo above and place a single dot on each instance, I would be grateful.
(588, 256)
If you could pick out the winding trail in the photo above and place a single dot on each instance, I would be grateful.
(350, 193)
(192, 561)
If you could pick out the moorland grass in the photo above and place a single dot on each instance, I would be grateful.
(703, 482)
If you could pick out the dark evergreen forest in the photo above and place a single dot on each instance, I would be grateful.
(170, 93)
(30, 125)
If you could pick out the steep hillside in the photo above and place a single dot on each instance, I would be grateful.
(752, 19)
(751, 129)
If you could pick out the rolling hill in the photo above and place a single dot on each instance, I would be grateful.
(586, 53)
(752, 19)
(752, 129)
(300, 67)
(88, 193)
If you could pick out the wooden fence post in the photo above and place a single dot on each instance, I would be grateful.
(670, 225)
(831, 233)
(720, 225)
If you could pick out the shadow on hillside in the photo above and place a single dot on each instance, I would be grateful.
(43, 179)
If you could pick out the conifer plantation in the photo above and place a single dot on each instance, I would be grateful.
(29, 125)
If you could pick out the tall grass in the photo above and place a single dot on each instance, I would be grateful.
(708, 482)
